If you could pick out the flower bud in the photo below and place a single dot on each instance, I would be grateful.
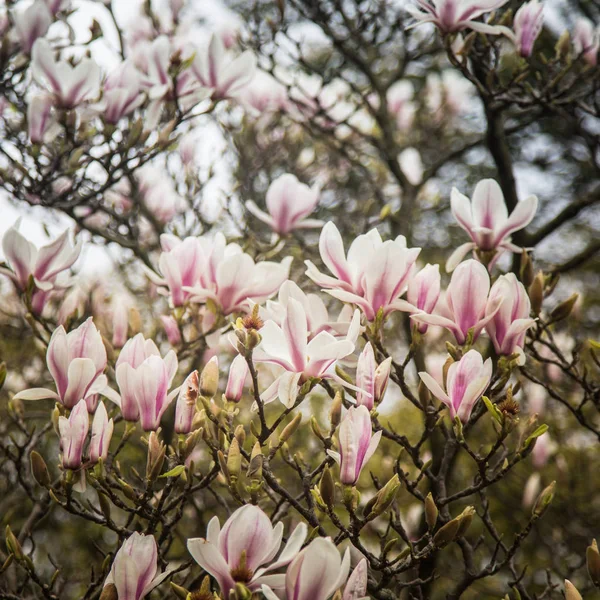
(593, 563)
(563, 45)
(385, 497)
(39, 469)
(536, 293)
(571, 592)
(12, 544)
(544, 500)
(563, 310)
(290, 428)
(234, 459)
(327, 488)
(209, 379)
(447, 533)
(431, 511)
(2, 374)
(156, 456)
(526, 269)
(256, 461)
(240, 434)
(335, 412)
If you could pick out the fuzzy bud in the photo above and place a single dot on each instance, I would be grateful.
(593, 563)
(564, 309)
(544, 499)
(12, 544)
(256, 461)
(431, 511)
(39, 469)
(209, 379)
(327, 488)
(536, 293)
(156, 456)
(385, 496)
(290, 428)
(234, 459)
(335, 412)
(571, 592)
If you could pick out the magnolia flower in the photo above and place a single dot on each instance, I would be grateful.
(467, 303)
(32, 23)
(289, 202)
(44, 264)
(448, 94)
(238, 372)
(121, 93)
(144, 379)
(70, 85)
(486, 220)
(264, 94)
(466, 382)
(230, 277)
(288, 346)
(158, 194)
(134, 572)
(73, 432)
(39, 110)
(373, 275)
(226, 77)
(509, 323)
(357, 444)
(400, 103)
(76, 361)
(586, 40)
(317, 315)
(356, 586)
(185, 408)
(171, 329)
(102, 430)
(450, 16)
(315, 574)
(423, 293)
(121, 307)
(527, 26)
(56, 6)
(371, 379)
(73, 305)
(244, 550)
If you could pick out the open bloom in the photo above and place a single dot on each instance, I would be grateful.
(509, 324)
(226, 77)
(102, 430)
(467, 303)
(44, 264)
(288, 346)
(373, 275)
(371, 379)
(356, 586)
(527, 26)
(357, 444)
(70, 85)
(73, 432)
(76, 361)
(244, 550)
(144, 379)
(121, 93)
(466, 382)
(134, 572)
(486, 220)
(185, 409)
(423, 293)
(289, 202)
(32, 23)
(315, 574)
(586, 40)
(450, 16)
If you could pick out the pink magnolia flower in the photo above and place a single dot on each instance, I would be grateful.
(171, 329)
(230, 277)
(121, 307)
(56, 6)
(466, 382)
(158, 193)
(371, 379)
(289, 202)
(288, 346)
(509, 324)
(373, 275)
(316, 573)
(400, 103)
(32, 23)
(238, 373)
(73, 433)
(102, 430)
(121, 93)
(356, 586)
(586, 40)
(76, 361)
(144, 379)
(39, 110)
(44, 264)
(423, 293)
(467, 303)
(264, 94)
(244, 550)
(450, 16)
(527, 26)
(134, 572)
(70, 85)
(357, 444)
(185, 408)
(225, 76)
(486, 220)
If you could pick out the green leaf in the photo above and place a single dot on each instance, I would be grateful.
(536, 434)
(174, 472)
(496, 414)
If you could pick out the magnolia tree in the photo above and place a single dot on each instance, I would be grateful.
(345, 348)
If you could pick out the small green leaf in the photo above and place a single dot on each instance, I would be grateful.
(496, 414)
(536, 434)
(174, 472)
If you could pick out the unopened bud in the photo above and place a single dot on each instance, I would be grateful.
(571, 592)
(109, 592)
(544, 499)
(536, 293)
(234, 459)
(385, 496)
(465, 520)
(256, 461)
(526, 269)
(447, 533)
(563, 45)
(179, 591)
(563, 310)
(12, 544)
(431, 511)
(290, 428)
(424, 395)
(593, 563)
(240, 434)
(104, 505)
(335, 412)
(209, 379)
(156, 456)
(39, 469)
(327, 488)
(2, 374)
